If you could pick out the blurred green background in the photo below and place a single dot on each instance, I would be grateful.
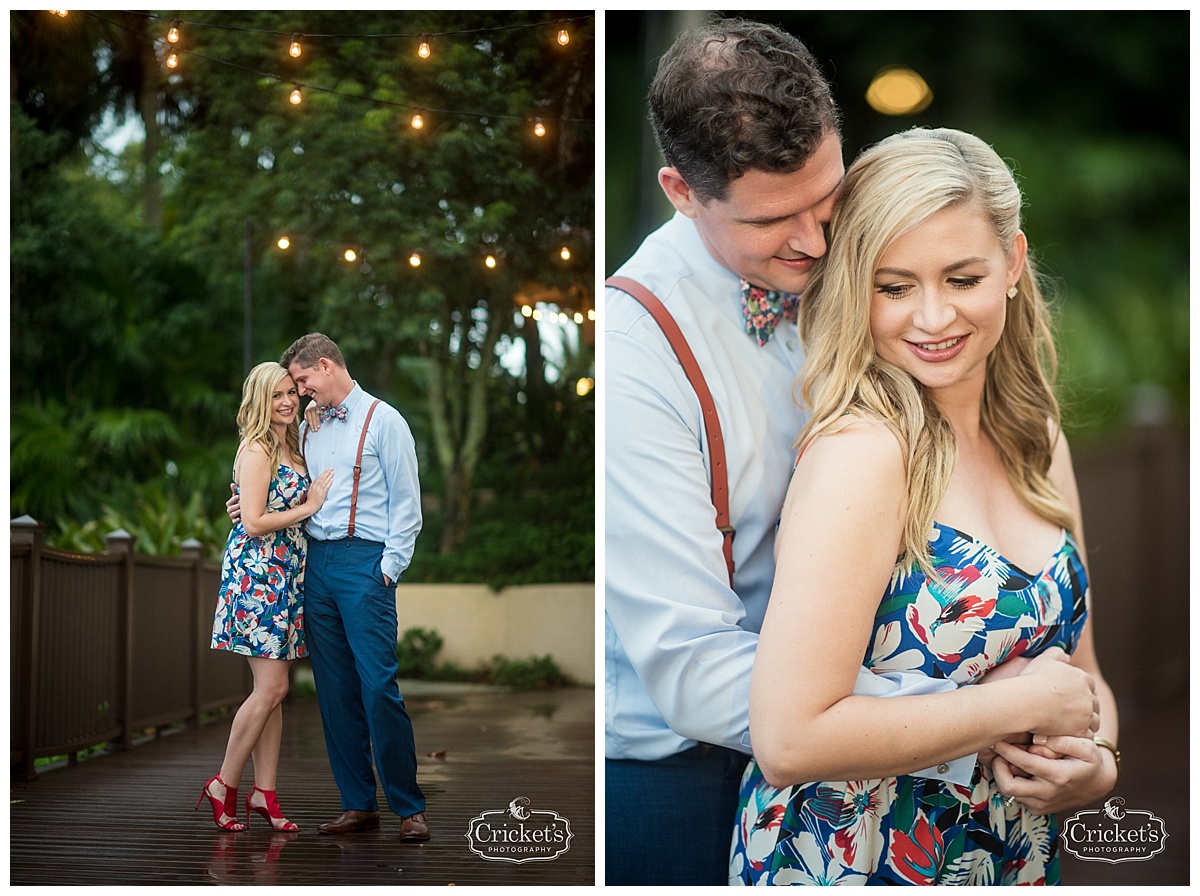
(1090, 108)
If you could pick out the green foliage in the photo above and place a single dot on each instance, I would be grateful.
(159, 523)
(86, 753)
(537, 536)
(533, 673)
(417, 652)
(127, 349)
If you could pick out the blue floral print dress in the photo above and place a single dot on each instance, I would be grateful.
(907, 829)
(260, 608)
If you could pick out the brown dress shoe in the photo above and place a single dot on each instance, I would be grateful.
(350, 821)
(414, 828)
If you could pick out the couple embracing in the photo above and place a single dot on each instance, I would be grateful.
(326, 516)
(849, 639)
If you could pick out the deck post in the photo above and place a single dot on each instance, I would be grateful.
(121, 542)
(26, 530)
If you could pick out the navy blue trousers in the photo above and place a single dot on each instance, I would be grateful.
(671, 821)
(350, 626)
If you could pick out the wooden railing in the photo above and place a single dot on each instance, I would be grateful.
(106, 647)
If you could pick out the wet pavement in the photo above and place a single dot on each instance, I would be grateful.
(127, 817)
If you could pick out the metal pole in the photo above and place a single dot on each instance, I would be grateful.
(247, 297)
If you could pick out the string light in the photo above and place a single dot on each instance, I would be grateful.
(174, 35)
(415, 259)
(423, 49)
(539, 129)
(173, 60)
(563, 37)
(283, 242)
(565, 253)
(417, 121)
(294, 50)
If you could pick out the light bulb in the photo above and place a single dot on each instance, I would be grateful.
(350, 255)
(295, 96)
(565, 253)
(283, 242)
(294, 50)
(538, 128)
(563, 37)
(417, 121)
(173, 61)
(173, 32)
(423, 50)
(415, 259)
(490, 261)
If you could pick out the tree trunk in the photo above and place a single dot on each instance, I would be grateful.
(458, 416)
(536, 411)
(148, 108)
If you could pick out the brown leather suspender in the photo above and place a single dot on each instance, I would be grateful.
(362, 440)
(712, 425)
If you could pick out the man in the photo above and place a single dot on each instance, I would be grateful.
(359, 544)
(749, 132)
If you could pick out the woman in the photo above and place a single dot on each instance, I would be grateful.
(260, 611)
(928, 374)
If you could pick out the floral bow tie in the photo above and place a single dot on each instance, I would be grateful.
(763, 309)
(329, 412)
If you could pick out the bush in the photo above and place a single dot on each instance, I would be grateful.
(534, 673)
(417, 650)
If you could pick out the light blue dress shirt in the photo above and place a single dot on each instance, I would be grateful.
(679, 643)
(389, 493)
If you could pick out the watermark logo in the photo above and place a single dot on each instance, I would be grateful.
(1114, 834)
(519, 834)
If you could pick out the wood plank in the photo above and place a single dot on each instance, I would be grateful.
(127, 817)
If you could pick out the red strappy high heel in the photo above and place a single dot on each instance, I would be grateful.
(269, 810)
(223, 817)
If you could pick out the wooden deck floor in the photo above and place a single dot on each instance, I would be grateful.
(127, 817)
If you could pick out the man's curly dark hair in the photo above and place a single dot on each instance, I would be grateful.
(735, 95)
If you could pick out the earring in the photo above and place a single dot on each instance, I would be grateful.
(1012, 291)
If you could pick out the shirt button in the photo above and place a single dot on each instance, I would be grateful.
(943, 768)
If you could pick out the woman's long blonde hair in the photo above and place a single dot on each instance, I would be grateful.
(892, 187)
(254, 415)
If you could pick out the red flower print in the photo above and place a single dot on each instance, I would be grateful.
(917, 856)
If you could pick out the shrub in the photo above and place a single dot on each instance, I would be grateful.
(416, 651)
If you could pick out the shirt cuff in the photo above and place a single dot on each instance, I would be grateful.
(391, 569)
(957, 771)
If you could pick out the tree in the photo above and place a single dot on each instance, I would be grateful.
(344, 168)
